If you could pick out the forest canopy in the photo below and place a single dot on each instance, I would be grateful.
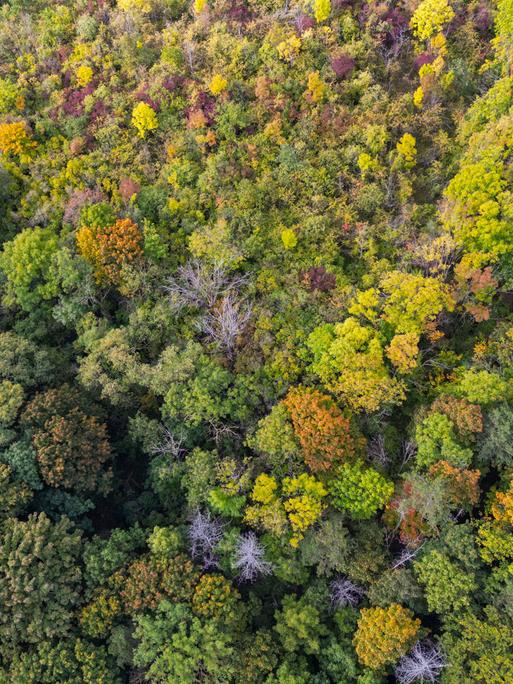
(256, 341)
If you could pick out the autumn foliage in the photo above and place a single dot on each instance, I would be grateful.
(72, 448)
(322, 430)
(110, 248)
(384, 634)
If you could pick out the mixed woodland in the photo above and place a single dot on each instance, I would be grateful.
(256, 341)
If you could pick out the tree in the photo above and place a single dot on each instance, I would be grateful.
(205, 533)
(430, 17)
(383, 635)
(322, 430)
(110, 248)
(299, 626)
(345, 593)
(250, 558)
(149, 580)
(144, 119)
(480, 649)
(436, 441)
(74, 661)
(71, 447)
(322, 10)
(447, 587)
(176, 646)
(27, 262)
(275, 437)
(359, 490)
(214, 598)
(13, 495)
(15, 138)
(495, 533)
(348, 358)
(423, 664)
(40, 578)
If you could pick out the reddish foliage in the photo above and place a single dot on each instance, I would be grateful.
(342, 65)
(71, 447)
(462, 484)
(317, 278)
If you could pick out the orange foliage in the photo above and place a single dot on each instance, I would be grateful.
(322, 430)
(109, 249)
(462, 484)
(467, 417)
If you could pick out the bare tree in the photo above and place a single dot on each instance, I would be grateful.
(205, 533)
(423, 664)
(249, 558)
(345, 593)
(197, 286)
(406, 556)
(168, 444)
(225, 322)
(376, 450)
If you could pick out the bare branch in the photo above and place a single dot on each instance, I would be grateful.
(345, 593)
(423, 664)
(168, 444)
(205, 533)
(225, 323)
(249, 558)
(197, 286)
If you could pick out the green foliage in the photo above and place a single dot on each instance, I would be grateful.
(27, 262)
(39, 580)
(436, 441)
(359, 490)
(447, 587)
(480, 649)
(176, 646)
(348, 358)
(299, 626)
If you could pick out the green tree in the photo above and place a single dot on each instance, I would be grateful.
(447, 587)
(40, 577)
(176, 646)
(299, 625)
(27, 262)
(359, 490)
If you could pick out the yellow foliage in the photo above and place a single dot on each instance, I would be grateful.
(384, 635)
(264, 489)
(430, 17)
(289, 49)
(322, 10)
(218, 84)
(84, 75)
(418, 97)
(15, 138)
(144, 118)
(109, 249)
(403, 351)
(316, 86)
(143, 6)
(407, 148)
(199, 6)
(289, 238)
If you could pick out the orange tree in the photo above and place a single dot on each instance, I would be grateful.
(109, 248)
(322, 430)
